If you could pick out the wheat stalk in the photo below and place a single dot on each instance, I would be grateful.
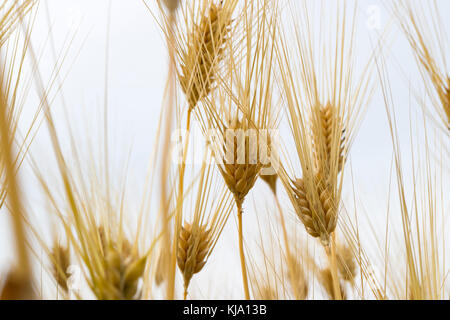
(123, 267)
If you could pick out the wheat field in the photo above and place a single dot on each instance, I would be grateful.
(224, 149)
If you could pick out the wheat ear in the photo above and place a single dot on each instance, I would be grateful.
(193, 246)
(205, 46)
(60, 262)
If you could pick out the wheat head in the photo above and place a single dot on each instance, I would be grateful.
(316, 207)
(122, 268)
(60, 262)
(205, 47)
(193, 247)
(239, 170)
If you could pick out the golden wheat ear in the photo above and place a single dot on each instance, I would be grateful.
(123, 267)
(204, 51)
(193, 246)
(60, 262)
(316, 207)
(240, 176)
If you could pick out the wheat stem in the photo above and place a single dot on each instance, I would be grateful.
(185, 292)
(171, 83)
(241, 250)
(173, 265)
